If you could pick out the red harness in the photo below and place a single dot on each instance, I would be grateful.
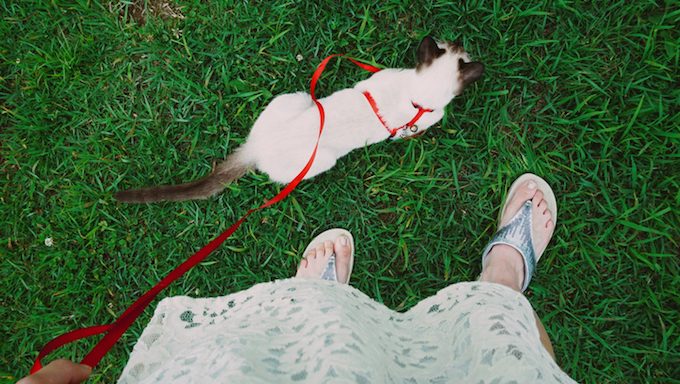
(393, 131)
(112, 332)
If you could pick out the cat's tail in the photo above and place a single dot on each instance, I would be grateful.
(224, 173)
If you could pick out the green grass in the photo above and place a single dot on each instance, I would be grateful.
(93, 101)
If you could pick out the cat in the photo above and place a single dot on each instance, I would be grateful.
(281, 140)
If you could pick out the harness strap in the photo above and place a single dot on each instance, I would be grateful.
(393, 131)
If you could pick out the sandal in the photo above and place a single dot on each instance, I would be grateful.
(517, 233)
(330, 272)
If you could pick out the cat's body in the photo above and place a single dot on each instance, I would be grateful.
(282, 138)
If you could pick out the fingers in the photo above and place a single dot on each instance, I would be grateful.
(59, 371)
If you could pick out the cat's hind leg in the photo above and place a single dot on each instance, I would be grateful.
(287, 106)
(323, 161)
(285, 168)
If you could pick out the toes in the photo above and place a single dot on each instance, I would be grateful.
(315, 260)
(537, 199)
(527, 190)
(304, 263)
(544, 210)
(328, 248)
(320, 250)
(343, 251)
(342, 247)
(302, 267)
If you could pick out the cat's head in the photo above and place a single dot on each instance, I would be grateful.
(445, 69)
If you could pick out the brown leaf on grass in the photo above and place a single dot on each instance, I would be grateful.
(140, 10)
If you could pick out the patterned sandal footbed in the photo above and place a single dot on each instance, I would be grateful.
(330, 272)
(517, 232)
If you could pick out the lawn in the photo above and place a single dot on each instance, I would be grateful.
(99, 97)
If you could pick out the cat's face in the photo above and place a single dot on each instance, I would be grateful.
(446, 68)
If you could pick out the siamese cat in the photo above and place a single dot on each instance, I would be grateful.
(382, 106)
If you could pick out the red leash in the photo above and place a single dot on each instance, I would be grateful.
(115, 330)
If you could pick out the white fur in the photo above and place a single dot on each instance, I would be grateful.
(281, 140)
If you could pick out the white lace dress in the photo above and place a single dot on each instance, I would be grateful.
(318, 331)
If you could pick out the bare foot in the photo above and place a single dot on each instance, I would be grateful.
(504, 264)
(314, 262)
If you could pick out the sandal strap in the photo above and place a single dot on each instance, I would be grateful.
(517, 234)
(330, 273)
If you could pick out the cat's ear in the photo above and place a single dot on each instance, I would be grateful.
(428, 51)
(469, 72)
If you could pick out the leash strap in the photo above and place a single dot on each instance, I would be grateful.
(113, 332)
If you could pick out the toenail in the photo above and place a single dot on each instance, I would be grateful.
(343, 240)
(532, 185)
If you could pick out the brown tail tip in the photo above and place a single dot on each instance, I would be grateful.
(124, 197)
(135, 197)
(223, 174)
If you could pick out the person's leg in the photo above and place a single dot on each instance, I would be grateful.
(545, 339)
(504, 264)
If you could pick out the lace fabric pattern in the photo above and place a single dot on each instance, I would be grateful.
(316, 331)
